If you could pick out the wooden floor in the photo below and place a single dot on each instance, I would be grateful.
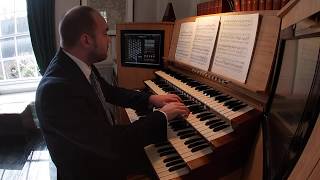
(25, 158)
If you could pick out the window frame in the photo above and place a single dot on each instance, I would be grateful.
(20, 84)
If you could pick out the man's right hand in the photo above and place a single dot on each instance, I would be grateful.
(175, 109)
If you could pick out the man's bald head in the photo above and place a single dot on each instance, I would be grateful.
(77, 21)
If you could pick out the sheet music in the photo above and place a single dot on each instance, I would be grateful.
(185, 41)
(203, 43)
(235, 44)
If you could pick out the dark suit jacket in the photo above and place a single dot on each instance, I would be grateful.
(81, 142)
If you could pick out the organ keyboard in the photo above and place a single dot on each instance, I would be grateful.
(206, 122)
(223, 104)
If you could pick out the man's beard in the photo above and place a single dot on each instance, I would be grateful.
(96, 56)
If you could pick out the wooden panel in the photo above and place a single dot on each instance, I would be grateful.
(301, 10)
(263, 54)
(315, 173)
(133, 77)
(254, 167)
(308, 164)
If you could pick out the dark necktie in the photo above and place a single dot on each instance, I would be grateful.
(97, 88)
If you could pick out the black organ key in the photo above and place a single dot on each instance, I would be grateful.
(231, 102)
(232, 105)
(236, 108)
(212, 121)
(193, 83)
(212, 92)
(214, 125)
(203, 114)
(220, 97)
(194, 107)
(224, 99)
(200, 110)
(207, 117)
(198, 148)
(179, 126)
(185, 132)
(195, 144)
(165, 149)
(192, 140)
(220, 127)
(168, 153)
(171, 159)
(187, 135)
(202, 87)
(174, 168)
(208, 91)
(173, 163)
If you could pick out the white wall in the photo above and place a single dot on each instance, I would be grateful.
(145, 11)
(153, 10)
(183, 8)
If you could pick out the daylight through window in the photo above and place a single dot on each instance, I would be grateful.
(17, 60)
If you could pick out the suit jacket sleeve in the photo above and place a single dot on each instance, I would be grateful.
(67, 114)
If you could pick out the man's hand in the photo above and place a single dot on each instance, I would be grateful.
(161, 100)
(175, 109)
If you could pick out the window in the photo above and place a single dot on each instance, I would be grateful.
(17, 60)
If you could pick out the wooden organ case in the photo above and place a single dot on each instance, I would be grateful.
(225, 114)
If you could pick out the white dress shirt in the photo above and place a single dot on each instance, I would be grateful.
(86, 70)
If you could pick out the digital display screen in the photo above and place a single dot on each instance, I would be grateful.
(142, 48)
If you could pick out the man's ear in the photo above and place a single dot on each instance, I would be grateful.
(86, 40)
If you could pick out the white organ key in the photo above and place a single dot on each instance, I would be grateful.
(155, 87)
(204, 130)
(159, 165)
(183, 149)
(132, 114)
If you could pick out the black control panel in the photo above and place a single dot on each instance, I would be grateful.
(142, 48)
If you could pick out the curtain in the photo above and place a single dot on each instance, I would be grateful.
(42, 31)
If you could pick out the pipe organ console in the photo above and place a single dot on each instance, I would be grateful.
(216, 137)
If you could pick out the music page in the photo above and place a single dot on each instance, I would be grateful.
(203, 43)
(234, 47)
(184, 44)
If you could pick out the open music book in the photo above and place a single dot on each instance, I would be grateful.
(234, 47)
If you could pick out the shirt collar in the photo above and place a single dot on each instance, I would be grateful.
(86, 70)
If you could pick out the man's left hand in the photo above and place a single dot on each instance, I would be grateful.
(161, 100)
